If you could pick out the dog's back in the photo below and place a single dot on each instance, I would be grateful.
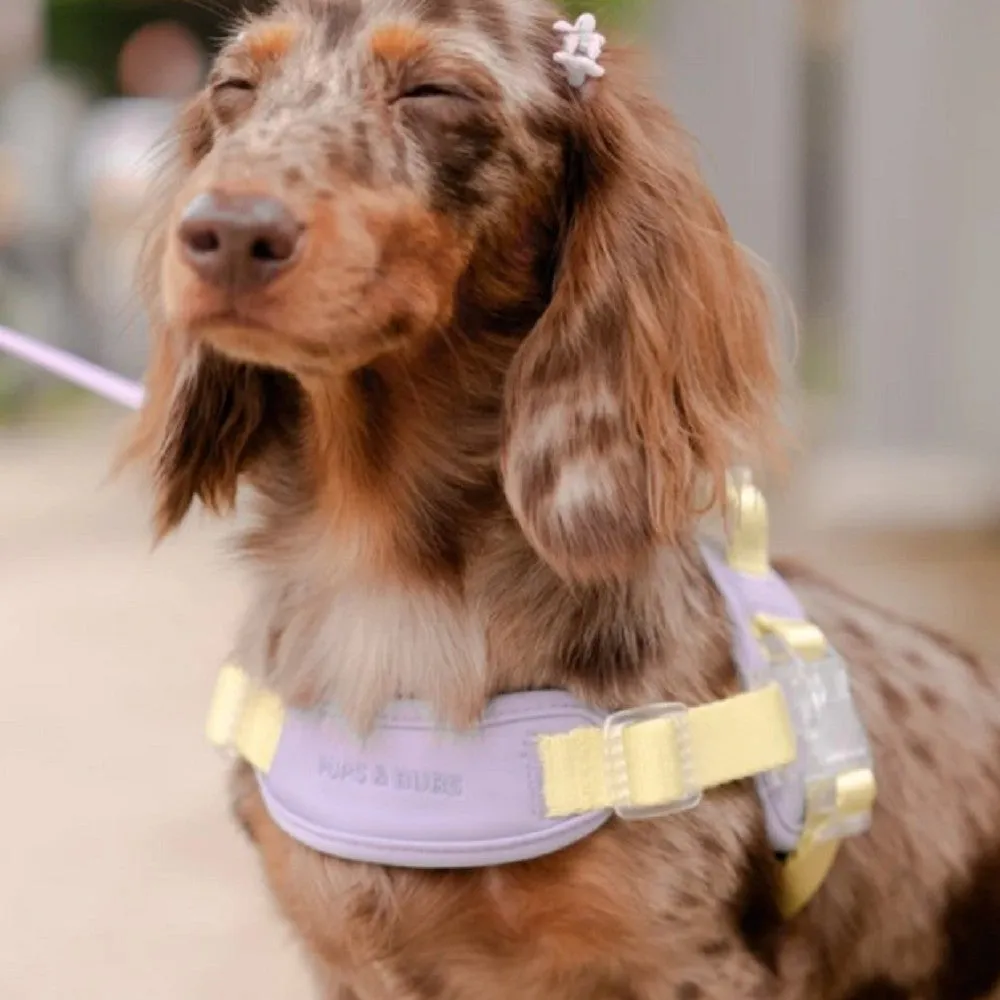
(914, 904)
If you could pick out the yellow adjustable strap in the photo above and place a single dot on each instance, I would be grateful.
(658, 761)
(803, 873)
(245, 718)
(725, 741)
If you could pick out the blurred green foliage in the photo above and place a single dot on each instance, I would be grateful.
(610, 13)
(85, 36)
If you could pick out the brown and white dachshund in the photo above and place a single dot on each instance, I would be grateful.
(481, 347)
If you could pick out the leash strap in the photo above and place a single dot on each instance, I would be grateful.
(68, 366)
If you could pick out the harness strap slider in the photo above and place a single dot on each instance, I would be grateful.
(636, 792)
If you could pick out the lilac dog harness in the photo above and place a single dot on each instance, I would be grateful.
(542, 771)
(418, 796)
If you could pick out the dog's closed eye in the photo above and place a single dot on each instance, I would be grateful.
(437, 104)
(231, 97)
(426, 90)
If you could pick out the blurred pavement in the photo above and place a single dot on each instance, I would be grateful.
(122, 875)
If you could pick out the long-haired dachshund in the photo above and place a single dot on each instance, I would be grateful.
(480, 343)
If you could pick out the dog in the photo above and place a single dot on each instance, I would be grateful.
(481, 346)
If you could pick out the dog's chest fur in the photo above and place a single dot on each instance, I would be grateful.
(325, 626)
(336, 619)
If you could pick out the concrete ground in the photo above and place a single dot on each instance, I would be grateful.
(121, 875)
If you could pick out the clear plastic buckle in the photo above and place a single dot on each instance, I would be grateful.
(834, 752)
(616, 764)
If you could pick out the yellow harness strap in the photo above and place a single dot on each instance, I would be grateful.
(245, 718)
(803, 873)
(656, 762)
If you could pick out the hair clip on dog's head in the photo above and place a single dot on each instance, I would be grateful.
(581, 50)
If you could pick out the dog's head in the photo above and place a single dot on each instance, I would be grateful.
(361, 178)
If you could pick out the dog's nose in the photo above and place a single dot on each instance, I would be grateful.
(241, 241)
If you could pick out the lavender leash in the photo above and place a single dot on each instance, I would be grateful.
(73, 369)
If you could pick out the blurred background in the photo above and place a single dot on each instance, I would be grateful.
(855, 146)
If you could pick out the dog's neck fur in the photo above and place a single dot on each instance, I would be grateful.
(388, 564)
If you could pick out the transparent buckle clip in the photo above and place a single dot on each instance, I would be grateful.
(834, 752)
(616, 763)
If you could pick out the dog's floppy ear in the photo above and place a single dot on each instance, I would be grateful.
(652, 368)
(205, 419)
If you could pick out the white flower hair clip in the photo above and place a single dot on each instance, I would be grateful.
(582, 47)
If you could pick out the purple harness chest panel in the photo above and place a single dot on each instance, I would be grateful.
(417, 796)
(414, 795)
